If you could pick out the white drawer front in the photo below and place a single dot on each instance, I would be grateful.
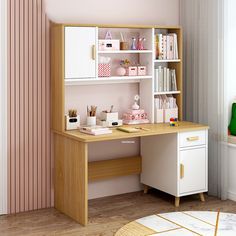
(193, 138)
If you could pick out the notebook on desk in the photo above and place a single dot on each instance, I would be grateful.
(128, 129)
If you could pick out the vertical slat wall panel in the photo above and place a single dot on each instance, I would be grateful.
(29, 162)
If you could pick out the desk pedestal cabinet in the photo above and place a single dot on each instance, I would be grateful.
(176, 163)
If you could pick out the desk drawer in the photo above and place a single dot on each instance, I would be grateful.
(193, 138)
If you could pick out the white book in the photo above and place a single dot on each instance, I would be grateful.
(164, 46)
(173, 81)
(165, 79)
(156, 80)
(168, 79)
(96, 132)
(160, 79)
(176, 55)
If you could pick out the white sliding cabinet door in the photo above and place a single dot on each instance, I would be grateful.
(80, 52)
(3, 108)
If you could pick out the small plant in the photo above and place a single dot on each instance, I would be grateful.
(125, 63)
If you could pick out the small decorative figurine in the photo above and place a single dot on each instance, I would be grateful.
(133, 45)
(135, 115)
(140, 44)
(135, 105)
(108, 35)
(174, 122)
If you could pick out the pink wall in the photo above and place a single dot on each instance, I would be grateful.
(162, 12)
(29, 160)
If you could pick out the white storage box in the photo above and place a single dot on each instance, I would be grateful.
(109, 44)
(72, 122)
(109, 116)
(159, 115)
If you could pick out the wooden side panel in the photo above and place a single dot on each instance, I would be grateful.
(57, 78)
(71, 178)
(113, 168)
(179, 71)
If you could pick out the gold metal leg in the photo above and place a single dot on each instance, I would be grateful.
(145, 190)
(202, 198)
(177, 200)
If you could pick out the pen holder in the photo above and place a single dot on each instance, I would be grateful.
(124, 46)
(72, 122)
(91, 120)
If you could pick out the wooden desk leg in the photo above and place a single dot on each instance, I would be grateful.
(177, 200)
(71, 178)
(146, 188)
(202, 197)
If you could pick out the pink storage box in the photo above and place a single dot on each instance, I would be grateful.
(132, 71)
(104, 70)
(142, 70)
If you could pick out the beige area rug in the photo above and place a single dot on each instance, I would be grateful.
(188, 223)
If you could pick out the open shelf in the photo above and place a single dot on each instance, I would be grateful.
(164, 61)
(167, 92)
(107, 80)
(124, 51)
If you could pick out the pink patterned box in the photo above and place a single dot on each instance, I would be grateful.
(135, 117)
(104, 70)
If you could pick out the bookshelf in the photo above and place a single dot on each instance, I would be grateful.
(71, 70)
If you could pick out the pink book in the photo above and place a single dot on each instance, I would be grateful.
(164, 47)
(171, 47)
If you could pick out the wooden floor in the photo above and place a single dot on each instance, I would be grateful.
(107, 215)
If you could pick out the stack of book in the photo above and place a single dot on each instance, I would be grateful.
(166, 46)
(95, 130)
(165, 80)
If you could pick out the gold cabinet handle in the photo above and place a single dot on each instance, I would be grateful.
(181, 171)
(93, 52)
(191, 139)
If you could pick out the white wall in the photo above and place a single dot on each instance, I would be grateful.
(230, 64)
(138, 12)
(3, 109)
(162, 12)
(230, 47)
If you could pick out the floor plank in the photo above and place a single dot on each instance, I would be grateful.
(107, 215)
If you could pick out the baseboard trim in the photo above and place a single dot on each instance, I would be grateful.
(232, 196)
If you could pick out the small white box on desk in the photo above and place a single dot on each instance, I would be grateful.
(170, 113)
(72, 122)
(159, 115)
(109, 116)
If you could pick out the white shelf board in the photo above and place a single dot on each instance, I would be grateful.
(107, 80)
(167, 92)
(124, 51)
(162, 61)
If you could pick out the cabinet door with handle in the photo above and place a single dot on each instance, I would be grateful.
(80, 52)
(193, 170)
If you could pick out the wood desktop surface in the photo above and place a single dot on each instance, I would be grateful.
(153, 129)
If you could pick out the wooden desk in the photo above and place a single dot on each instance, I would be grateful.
(72, 170)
